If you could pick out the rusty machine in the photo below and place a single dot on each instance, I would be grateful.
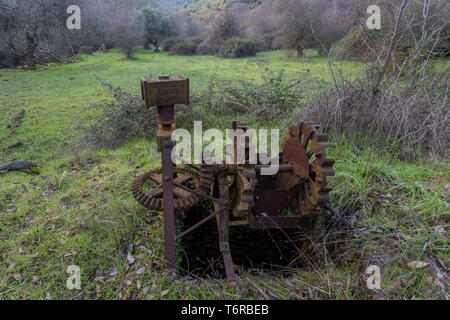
(241, 195)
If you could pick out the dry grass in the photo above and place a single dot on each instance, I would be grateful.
(407, 116)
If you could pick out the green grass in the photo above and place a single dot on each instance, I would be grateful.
(54, 96)
(80, 211)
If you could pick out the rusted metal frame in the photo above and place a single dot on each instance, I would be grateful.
(201, 223)
(281, 168)
(223, 225)
(200, 194)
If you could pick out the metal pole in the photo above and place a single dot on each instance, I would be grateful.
(169, 213)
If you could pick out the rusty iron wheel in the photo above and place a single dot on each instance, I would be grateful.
(153, 197)
(304, 148)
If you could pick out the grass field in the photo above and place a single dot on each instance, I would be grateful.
(81, 212)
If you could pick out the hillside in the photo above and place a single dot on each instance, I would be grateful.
(170, 5)
(205, 10)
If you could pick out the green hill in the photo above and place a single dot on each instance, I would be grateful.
(206, 10)
(172, 5)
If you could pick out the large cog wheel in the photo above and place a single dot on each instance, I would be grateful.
(304, 148)
(152, 198)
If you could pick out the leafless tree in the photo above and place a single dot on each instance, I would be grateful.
(33, 31)
(124, 32)
(314, 23)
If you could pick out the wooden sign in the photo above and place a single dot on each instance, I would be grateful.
(165, 91)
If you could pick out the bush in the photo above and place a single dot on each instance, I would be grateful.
(419, 37)
(86, 50)
(170, 42)
(112, 124)
(8, 60)
(237, 48)
(206, 47)
(268, 42)
(405, 119)
(187, 47)
(275, 97)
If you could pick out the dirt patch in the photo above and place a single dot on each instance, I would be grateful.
(17, 123)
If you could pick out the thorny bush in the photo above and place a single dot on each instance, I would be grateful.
(274, 96)
(113, 123)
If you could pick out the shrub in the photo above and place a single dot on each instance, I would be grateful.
(170, 42)
(404, 119)
(275, 97)
(8, 60)
(112, 124)
(109, 125)
(237, 48)
(268, 42)
(206, 47)
(86, 50)
(186, 47)
(423, 33)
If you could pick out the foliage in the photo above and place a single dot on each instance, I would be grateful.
(156, 27)
(186, 47)
(113, 123)
(273, 97)
(170, 42)
(237, 48)
(424, 34)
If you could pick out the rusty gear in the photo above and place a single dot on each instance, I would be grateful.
(184, 200)
(304, 148)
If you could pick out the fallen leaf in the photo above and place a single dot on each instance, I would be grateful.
(140, 270)
(408, 280)
(35, 279)
(130, 258)
(441, 231)
(164, 293)
(114, 272)
(418, 265)
(17, 276)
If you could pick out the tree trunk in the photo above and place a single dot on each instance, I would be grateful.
(31, 46)
(155, 43)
